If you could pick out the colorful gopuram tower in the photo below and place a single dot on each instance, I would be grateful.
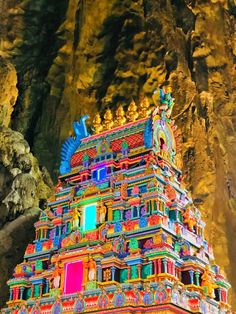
(121, 234)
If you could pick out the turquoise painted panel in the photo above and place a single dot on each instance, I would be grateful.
(89, 217)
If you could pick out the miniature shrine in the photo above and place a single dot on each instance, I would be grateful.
(121, 234)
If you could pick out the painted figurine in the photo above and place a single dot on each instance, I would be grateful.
(91, 269)
(102, 212)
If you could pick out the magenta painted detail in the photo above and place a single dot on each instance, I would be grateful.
(73, 277)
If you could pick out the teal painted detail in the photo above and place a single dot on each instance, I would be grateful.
(89, 217)
(103, 185)
(36, 291)
(123, 275)
(38, 265)
(176, 247)
(79, 192)
(133, 244)
(145, 271)
(134, 272)
(28, 293)
(116, 215)
(69, 227)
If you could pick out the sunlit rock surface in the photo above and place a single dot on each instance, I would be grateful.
(76, 56)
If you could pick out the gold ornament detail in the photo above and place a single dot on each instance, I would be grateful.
(132, 114)
(97, 123)
(120, 116)
(108, 120)
(144, 108)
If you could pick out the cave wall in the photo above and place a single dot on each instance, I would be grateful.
(82, 56)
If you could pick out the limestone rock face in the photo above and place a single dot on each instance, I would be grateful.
(79, 56)
(9, 91)
(23, 188)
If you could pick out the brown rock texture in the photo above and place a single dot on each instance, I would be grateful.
(79, 56)
(23, 188)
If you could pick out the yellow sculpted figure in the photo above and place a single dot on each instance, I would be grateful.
(108, 120)
(97, 123)
(120, 116)
(132, 114)
(189, 218)
(91, 269)
(144, 108)
(208, 282)
(75, 219)
(102, 212)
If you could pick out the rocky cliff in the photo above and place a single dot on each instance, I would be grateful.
(77, 56)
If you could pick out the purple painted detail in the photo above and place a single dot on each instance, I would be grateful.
(128, 215)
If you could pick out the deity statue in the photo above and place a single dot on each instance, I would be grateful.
(164, 102)
(56, 276)
(120, 116)
(91, 269)
(132, 114)
(208, 282)
(151, 159)
(108, 120)
(58, 187)
(97, 123)
(75, 218)
(189, 218)
(102, 212)
(144, 109)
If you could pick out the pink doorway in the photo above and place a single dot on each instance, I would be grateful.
(73, 277)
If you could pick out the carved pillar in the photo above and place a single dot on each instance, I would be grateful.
(197, 276)
(155, 267)
(47, 286)
(99, 272)
(32, 291)
(159, 266)
(150, 268)
(165, 265)
(173, 268)
(113, 269)
(139, 270)
(191, 273)
(21, 292)
(41, 290)
(11, 295)
(168, 266)
(224, 295)
(220, 297)
(14, 293)
(17, 293)
(128, 272)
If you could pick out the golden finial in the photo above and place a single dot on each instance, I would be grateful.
(97, 123)
(108, 120)
(144, 108)
(132, 114)
(120, 116)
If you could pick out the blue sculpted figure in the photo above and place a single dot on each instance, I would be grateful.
(57, 308)
(72, 143)
(148, 133)
(79, 305)
(143, 222)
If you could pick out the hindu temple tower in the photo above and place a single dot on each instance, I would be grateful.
(121, 234)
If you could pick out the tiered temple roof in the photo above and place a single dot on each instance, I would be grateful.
(121, 234)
